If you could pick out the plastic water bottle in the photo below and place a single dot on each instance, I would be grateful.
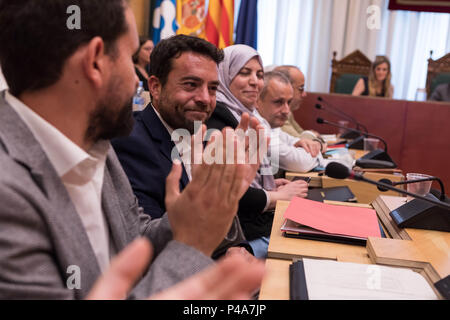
(138, 99)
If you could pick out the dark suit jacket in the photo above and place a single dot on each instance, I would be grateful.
(146, 158)
(254, 221)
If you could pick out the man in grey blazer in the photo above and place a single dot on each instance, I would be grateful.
(66, 206)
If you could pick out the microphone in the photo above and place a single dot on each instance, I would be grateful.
(389, 182)
(322, 121)
(346, 135)
(341, 113)
(374, 159)
(424, 212)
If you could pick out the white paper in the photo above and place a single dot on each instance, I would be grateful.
(332, 280)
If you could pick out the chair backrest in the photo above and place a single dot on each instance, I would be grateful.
(346, 72)
(438, 72)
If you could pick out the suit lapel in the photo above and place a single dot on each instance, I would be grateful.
(158, 132)
(113, 214)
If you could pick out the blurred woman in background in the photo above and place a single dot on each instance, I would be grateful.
(378, 84)
(141, 60)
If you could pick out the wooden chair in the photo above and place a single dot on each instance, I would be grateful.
(438, 72)
(346, 72)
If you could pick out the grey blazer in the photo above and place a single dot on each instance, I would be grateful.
(42, 238)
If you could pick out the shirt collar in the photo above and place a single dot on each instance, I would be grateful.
(165, 124)
(183, 146)
(62, 152)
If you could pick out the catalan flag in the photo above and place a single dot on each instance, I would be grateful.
(220, 23)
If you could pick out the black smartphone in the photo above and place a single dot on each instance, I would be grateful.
(307, 179)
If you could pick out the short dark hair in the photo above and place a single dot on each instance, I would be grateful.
(36, 41)
(161, 59)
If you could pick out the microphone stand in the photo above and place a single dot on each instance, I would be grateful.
(389, 182)
(337, 111)
(438, 203)
(424, 212)
(374, 159)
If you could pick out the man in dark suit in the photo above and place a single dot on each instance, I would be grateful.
(66, 205)
(183, 85)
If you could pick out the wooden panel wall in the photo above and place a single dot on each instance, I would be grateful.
(417, 133)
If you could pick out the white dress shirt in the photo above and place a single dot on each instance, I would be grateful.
(81, 173)
(3, 85)
(284, 154)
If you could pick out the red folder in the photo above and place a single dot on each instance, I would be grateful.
(342, 220)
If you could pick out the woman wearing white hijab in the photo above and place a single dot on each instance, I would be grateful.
(241, 77)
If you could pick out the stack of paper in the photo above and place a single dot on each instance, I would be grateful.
(330, 280)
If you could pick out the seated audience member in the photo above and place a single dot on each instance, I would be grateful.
(183, 83)
(441, 93)
(241, 77)
(297, 78)
(273, 111)
(141, 60)
(378, 84)
(66, 204)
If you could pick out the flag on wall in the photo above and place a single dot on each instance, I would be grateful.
(191, 17)
(164, 20)
(220, 23)
(247, 25)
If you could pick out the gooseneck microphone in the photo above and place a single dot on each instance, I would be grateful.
(424, 212)
(339, 171)
(391, 183)
(339, 112)
(322, 121)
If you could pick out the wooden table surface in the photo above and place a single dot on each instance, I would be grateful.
(425, 249)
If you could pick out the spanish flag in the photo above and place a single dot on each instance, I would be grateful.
(220, 23)
(191, 17)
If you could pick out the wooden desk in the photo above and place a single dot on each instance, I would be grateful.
(275, 285)
(364, 192)
(414, 248)
(426, 251)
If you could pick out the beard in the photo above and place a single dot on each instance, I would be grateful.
(174, 114)
(105, 122)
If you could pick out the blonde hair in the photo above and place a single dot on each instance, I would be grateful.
(373, 79)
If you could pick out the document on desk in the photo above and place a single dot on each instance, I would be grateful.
(332, 280)
(332, 219)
